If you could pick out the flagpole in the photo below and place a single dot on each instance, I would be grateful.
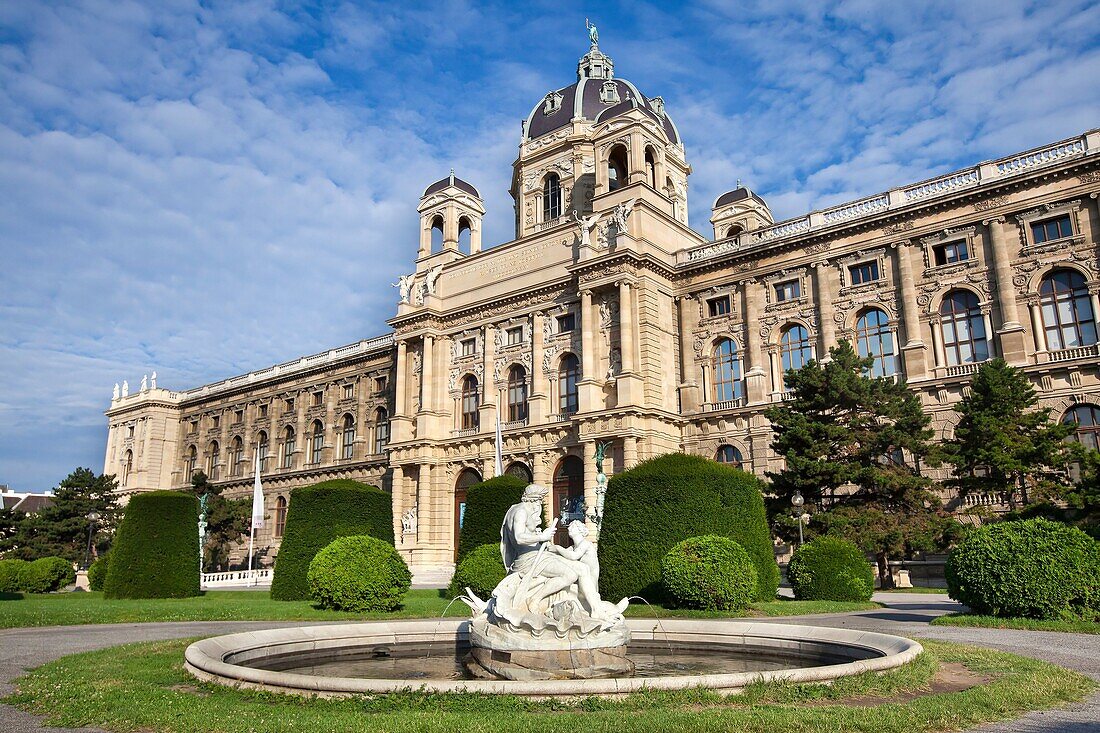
(252, 524)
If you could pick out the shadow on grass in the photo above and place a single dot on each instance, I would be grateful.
(11, 596)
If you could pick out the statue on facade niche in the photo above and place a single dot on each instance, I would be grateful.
(587, 223)
(404, 284)
(614, 362)
(408, 521)
(622, 214)
(431, 277)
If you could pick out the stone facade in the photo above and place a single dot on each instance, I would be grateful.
(609, 319)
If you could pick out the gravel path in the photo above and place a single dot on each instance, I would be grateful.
(904, 614)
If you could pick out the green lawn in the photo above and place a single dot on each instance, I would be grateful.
(62, 609)
(1026, 624)
(141, 687)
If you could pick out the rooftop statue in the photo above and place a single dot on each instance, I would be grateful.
(593, 34)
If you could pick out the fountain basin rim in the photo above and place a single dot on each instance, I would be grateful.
(213, 659)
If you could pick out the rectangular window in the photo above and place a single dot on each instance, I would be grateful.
(349, 391)
(515, 335)
(216, 420)
(864, 272)
(288, 405)
(949, 253)
(379, 384)
(129, 431)
(469, 347)
(318, 398)
(263, 410)
(719, 306)
(789, 290)
(194, 426)
(1051, 229)
(567, 323)
(238, 416)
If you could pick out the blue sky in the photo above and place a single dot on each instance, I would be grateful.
(204, 188)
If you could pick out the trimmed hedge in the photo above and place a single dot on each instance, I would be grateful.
(830, 569)
(480, 571)
(48, 574)
(486, 504)
(710, 572)
(359, 573)
(97, 572)
(317, 515)
(667, 499)
(11, 575)
(156, 548)
(1031, 569)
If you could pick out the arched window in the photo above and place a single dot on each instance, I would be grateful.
(734, 230)
(794, 347)
(381, 430)
(263, 450)
(192, 461)
(212, 460)
(1068, 319)
(469, 477)
(520, 471)
(728, 454)
(1087, 420)
(616, 168)
(437, 233)
(280, 516)
(317, 442)
(727, 372)
(127, 467)
(551, 197)
(237, 461)
(348, 450)
(963, 327)
(875, 339)
(569, 373)
(471, 401)
(650, 167)
(517, 394)
(288, 447)
(464, 234)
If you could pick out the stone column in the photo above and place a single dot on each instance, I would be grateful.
(755, 379)
(397, 502)
(913, 348)
(538, 399)
(489, 396)
(590, 478)
(427, 375)
(400, 421)
(690, 397)
(826, 324)
(630, 452)
(588, 384)
(637, 159)
(629, 382)
(1011, 334)
(426, 530)
(1037, 327)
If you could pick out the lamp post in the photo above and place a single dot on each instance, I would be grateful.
(92, 518)
(797, 501)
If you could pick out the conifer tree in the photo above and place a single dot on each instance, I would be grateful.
(853, 447)
(1004, 443)
(62, 528)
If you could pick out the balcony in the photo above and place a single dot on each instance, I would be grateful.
(561, 416)
(465, 432)
(723, 405)
(512, 424)
(962, 370)
(1077, 352)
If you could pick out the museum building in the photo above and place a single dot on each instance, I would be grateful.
(609, 320)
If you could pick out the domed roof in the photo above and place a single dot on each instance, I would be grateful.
(451, 180)
(738, 194)
(596, 95)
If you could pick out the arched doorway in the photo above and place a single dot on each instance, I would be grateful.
(466, 479)
(568, 496)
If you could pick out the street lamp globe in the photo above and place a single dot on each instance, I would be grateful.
(797, 499)
(92, 516)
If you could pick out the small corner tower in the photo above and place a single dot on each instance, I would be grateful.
(452, 207)
(739, 210)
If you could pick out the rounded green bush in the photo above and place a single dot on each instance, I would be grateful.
(664, 500)
(317, 515)
(97, 572)
(359, 573)
(11, 575)
(480, 571)
(156, 548)
(830, 569)
(48, 574)
(1031, 569)
(486, 504)
(710, 572)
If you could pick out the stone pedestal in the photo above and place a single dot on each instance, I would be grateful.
(560, 664)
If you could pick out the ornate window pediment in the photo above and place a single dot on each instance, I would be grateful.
(951, 250)
(551, 103)
(609, 93)
(1050, 227)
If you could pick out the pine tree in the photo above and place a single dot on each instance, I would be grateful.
(1003, 443)
(853, 447)
(62, 528)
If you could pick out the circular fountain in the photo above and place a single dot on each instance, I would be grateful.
(544, 632)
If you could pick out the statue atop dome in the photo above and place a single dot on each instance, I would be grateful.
(593, 34)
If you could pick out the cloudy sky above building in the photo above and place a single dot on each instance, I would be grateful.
(205, 188)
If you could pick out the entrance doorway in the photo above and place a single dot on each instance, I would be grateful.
(469, 477)
(568, 496)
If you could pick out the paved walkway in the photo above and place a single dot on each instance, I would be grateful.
(905, 614)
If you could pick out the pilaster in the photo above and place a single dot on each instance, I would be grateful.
(755, 378)
(1011, 333)
(913, 348)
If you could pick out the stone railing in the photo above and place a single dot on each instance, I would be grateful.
(922, 191)
(1078, 352)
(512, 424)
(997, 498)
(560, 416)
(465, 432)
(257, 576)
(959, 370)
(723, 405)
